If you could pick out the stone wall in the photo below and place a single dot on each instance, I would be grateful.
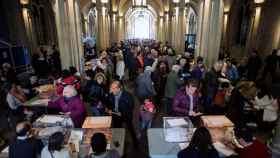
(267, 34)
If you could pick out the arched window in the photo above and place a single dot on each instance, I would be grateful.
(141, 23)
(191, 22)
(191, 29)
(91, 23)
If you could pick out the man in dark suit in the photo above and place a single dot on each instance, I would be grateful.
(24, 145)
(121, 106)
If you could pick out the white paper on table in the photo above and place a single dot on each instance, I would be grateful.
(221, 148)
(48, 131)
(51, 119)
(40, 102)
(175, 135)
(6, 150)
(183, 145)
(76, 135)
(177, 122)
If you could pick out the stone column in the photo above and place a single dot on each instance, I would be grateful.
(121, 28)
(167, 26)
(114, 27)
(252, 41)
(103, 18)
(210, 30)
(68, 24)
(178, 29)
(160, 29)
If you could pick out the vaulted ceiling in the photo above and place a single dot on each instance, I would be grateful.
(123, 5)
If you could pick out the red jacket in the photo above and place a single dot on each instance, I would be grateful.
(255, 150)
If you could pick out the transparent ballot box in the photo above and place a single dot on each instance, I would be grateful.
(177, 129)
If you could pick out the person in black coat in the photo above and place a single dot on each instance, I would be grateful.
(254, 66)
(120, 106)
(25, 146)
(200, 146)
(271, 63)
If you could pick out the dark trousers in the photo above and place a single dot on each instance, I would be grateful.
(168, 106)
(118, 121)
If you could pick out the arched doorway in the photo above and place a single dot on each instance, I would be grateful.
(140, 23)
(191, 30)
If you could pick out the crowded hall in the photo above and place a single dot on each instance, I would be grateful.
(139, 79)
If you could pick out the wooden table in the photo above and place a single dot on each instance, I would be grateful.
(97, 122)
(220, 128)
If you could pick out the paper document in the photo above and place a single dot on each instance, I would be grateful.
(221, 148)
(177, 122)
(176, 135)
(40, 102)
(48, 131)
(76, 135)
(51, 119)
(6, 150)
(183, 145)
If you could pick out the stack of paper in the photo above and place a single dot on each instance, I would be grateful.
(76, 135)
(75, 138)
(40, 102)
(50, 119)
(175, 135)
(177, 122)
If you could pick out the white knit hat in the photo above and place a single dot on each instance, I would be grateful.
(69, 91)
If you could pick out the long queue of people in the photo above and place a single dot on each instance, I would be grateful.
(175, 85)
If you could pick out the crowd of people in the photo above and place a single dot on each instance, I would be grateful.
(161, 81)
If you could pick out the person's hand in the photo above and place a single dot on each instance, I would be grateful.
(109, 111)
(68, 113)
(192, 113)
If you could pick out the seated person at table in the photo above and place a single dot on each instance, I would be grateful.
(25, 146)
(55, 148)
(70, 104)
(200, 146)
(65, 80)
(253, 148)
(186, 101)
(99, 145)
(15, 99)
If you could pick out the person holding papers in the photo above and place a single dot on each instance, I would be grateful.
(70, 104)
(186, 101)
(120, 106)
